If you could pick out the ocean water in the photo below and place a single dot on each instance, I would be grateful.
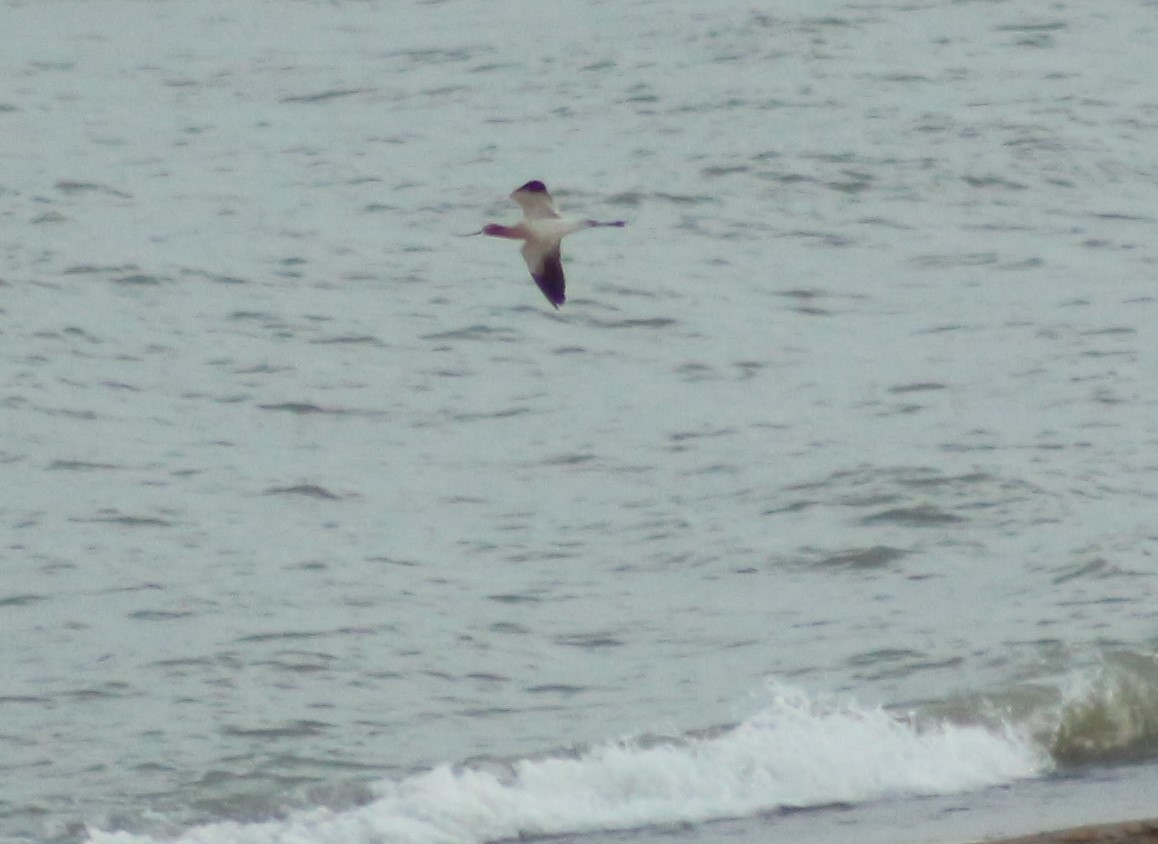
(823, 510)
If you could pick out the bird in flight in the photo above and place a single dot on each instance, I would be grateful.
(542, 230)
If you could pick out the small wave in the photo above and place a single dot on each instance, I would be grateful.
(798, 752)
(1110, 715)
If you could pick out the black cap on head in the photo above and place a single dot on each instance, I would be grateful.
(534, 187)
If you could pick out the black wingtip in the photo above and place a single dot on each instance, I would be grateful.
(554, 295)
(551, 281)
(534, 186)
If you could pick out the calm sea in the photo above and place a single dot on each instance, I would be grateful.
(824, 510)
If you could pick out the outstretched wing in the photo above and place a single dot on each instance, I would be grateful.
(535, 201)
(546, 266)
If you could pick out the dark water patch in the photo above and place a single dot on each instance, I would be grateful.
(310, 409)
(509, 627)
(282, 635)
(182, 662)
(475, 332)
(641, 93)
(905, 667)
(324, 96)
(823, 238)
(942, 329)
(214, 277)
(1055, 26)
(248, 316)
(487, 677)
(924, 515)
(300, 662)
(1115, 329)
(1024, 264)
(684, 199)
(992, 182)
(496, 414)
(91, 269)
(67, 412)
(393, 561)
(852, 183)
(516, 598)
(71, 188)
(589, 641)
(105, 691)
(1096, 569)
(1038, 35)
(964, 259)
(917, 387)
(931, 480)
(695, 371)
(630, 199)
(21, 600)
(306, 491)
(141, 280)
(878, 556)
(443, 90)
(900, 409)
(137, 587)
(900, 78)
(291, 267)
(883, 655)
(79, 466)
(124, 519)
(49, 217)
(433, 56)
(491, 67)
(349, 340)
(159, 615)
(622, 291)
(884, 222)
(573, 459)
(787, 178)
(561, 689)
(1126, 218)
(725, 170)
(23, 699)
(798, 506)
(653, 322)
(806, 300)
(288, 730)
(683, 436)
(540, 556)
(48, 66)
(804, 294)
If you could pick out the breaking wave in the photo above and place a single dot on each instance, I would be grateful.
(797, 752)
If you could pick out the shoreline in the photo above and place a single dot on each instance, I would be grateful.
(1122, 832)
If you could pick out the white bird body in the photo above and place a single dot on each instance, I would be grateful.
(542, 230)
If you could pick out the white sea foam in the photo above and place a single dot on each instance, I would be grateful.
(797, 752)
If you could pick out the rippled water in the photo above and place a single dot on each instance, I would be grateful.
(313, 506)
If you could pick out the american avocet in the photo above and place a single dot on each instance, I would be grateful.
(543, 230)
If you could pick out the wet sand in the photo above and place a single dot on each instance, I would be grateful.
(1130, 832)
